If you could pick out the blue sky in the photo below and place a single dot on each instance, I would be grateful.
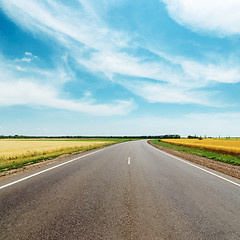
(120, 67)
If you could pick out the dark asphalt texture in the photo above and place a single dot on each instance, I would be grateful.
(101, 196)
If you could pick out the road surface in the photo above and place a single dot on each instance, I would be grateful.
(126, 191)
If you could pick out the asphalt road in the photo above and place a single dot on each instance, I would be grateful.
(126, 191)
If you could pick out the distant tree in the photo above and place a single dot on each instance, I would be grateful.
(192, 137)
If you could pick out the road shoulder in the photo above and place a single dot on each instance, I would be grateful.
(225, 168)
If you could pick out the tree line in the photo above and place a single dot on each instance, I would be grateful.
(169, 136)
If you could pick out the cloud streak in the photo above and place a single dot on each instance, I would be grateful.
(33, 94)
(37, 87)
(95, 46)
(162, 93)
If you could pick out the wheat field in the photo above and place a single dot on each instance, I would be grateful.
(15, 152)
(218, 145)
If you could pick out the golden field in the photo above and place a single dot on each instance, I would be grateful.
(15, 152)
(218, 145)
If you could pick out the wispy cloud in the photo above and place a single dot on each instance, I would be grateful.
(61, 21)
(28, 53)
(34, 94)
(38, 87)
(20, 68)
(93, 45)
(28, 57)
(24, 59)
(182, 80)
(168, 93)
(218, 17)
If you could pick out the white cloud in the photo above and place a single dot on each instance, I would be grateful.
(87, 94)
(167, 93)
(88, 40)
(220, 17)
(221, 73)
(180, 81)
(111, 63)
(61, 21)
(28, 53)
(27, 59)
(24, 59)
(195, 74)
(20, 68)
(34, 94)
(40, 87)
(97, 47)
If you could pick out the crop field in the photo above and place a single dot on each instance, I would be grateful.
(199, 151)
(15, 153)
(225, 146)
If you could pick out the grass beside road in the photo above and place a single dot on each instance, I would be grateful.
(16, 153)
(201, 152)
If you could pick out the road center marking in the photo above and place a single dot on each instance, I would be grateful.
(129, 160)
